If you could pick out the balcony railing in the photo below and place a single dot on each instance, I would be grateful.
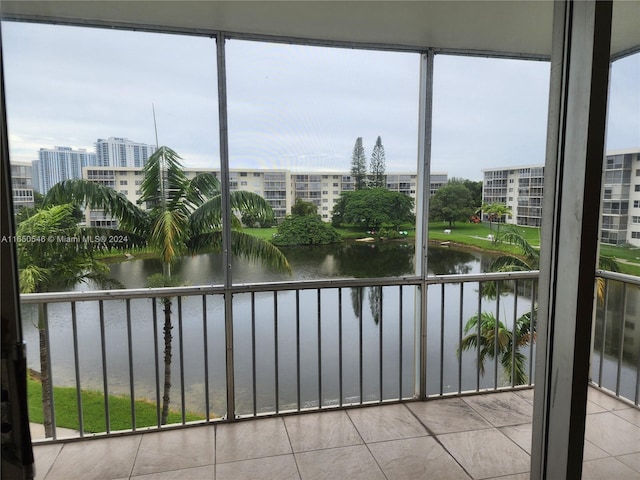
(616, 340)
(264, 349)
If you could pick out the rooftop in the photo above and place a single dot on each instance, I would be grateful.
(483, 436)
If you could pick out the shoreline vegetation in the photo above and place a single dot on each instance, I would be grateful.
(463, 236)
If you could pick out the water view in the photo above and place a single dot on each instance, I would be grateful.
(290, 332)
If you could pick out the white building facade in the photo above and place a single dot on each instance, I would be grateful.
(122, 152)
(521, 190)
(59, 163)
(279, 188)
(21, 185)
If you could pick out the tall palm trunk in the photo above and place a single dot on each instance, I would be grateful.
(45, 378)
(167, 359)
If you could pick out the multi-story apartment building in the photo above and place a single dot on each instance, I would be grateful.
(521, 189)
(280, 188)
(122, 152)
(59, 163)
(21, 185)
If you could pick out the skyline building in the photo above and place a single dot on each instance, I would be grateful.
(122, 152)
(57, 164)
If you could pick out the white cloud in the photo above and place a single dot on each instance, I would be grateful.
(289, 106)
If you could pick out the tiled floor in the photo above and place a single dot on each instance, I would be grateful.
(479, 437)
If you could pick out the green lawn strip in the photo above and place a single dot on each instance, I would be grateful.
(66, 409)
(475, 235)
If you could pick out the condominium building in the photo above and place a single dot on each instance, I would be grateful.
(59, 163)
(122, 152)
(521, 190)
(21, 185)
(279, 188)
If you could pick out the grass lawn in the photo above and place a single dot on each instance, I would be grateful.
(469, 234)
(93, 410)
(475, 234)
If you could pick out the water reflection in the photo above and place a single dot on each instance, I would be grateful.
(347, 260)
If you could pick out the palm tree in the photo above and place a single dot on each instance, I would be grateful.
(500, 210)
(503, 347)
(57, 257)
(529, 259)
(493, 211)
(182, 215)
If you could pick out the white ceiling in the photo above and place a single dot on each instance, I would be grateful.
(518, 28)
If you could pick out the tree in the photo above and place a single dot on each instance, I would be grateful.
(302, 208)
(305, 230)
(255, 218)
(61, 258)
(486, 342)
(451, 203)
(494, 211)
(475, 190)
(372, 208)
(183, 215)
(359, 165)
(377, 165)
(529, 259)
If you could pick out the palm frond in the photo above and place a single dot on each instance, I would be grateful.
(208, 215)
(513, 237)
(203, 187)
(31, 277)
(510, 263)
(608, 263)
(168, 233)
(165, 182)
(242, 244)
(96, 196)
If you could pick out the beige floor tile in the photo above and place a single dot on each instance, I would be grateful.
(281, 467)
(606, 401)
(447, 416)
(486, 453)
(353, 463)
(198, 473)
(44, 456)
(315, 431)
(501, 409)
(593, 407)
(630, 414)
(99, 459)
(632, 460)
(416, 459)
(526, 394)
(612, 434)
(591, 452)
(389, 422)
(175, 450)
(251, 439)
(607, 469)
(520, 434)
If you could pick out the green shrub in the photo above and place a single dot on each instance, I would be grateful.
(305, 230)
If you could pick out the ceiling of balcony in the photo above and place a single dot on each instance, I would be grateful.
(505, 28)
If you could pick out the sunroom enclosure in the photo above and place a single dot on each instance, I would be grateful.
(575, 143)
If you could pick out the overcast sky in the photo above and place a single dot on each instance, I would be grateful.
(289, 106)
